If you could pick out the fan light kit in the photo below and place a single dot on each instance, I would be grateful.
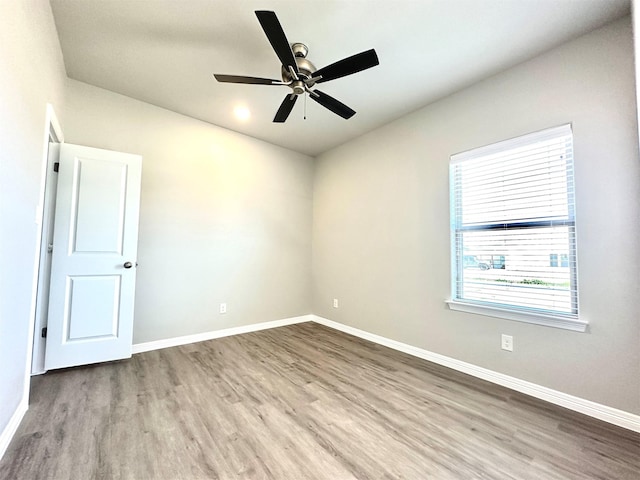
(300, 74)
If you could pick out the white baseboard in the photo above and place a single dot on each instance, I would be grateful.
(602, 412)
(10, 430)
(200, 337)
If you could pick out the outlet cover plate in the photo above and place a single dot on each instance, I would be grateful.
(507, 343)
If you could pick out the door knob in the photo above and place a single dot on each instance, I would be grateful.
(127, 265)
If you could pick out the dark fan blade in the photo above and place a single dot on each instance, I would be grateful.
(277, 38)
(332, 104)
(252, 80)
(347, 66)
(285, 108)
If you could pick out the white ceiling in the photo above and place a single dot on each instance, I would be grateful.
(164, 52)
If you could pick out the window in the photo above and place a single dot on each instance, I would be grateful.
(553, 260)
(513, 230)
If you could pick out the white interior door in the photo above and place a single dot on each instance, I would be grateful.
(93, 264)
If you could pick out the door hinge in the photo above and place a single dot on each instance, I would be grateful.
(44, 332)
(49, 247)
(56, 167)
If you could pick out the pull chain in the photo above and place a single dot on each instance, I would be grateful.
(305, 107)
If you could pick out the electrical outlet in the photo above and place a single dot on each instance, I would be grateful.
(223, 308)
(507, 343)
(335, 303)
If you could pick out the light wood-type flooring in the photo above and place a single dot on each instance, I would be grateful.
(296, 403)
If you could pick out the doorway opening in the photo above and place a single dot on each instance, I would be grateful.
(45, 219)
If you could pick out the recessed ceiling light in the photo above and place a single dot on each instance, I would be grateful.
(242, 113)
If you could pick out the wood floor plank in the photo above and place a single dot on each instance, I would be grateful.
(302, 402)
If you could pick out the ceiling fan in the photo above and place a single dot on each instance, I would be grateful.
(300, 74)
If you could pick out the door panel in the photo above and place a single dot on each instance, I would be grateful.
(96, 297)
(99, 206)
(95, 235)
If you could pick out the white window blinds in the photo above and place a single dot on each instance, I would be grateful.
(513, 224)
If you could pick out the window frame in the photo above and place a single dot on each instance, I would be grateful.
(569, 321)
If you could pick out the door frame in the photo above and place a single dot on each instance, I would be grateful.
(36, 348)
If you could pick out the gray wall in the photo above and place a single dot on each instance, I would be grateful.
(31, 74)
(381, 221)
(635, 14)
(223, 217)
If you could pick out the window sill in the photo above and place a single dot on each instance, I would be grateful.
(556, 321)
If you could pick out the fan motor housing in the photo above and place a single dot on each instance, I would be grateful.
(305, 69)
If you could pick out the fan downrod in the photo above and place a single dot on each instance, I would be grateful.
(299, 50)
